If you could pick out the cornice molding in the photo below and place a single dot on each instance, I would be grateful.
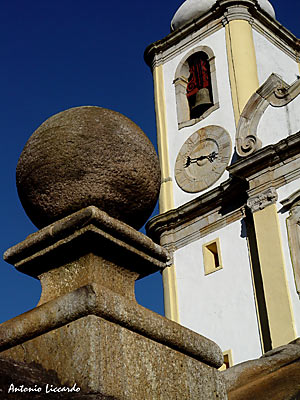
(223, 195)
(223, 12)
(199, 228)
(165, 49)
(266, 157)
(231, 195)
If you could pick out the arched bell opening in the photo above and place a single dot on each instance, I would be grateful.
(199, 90)
(196, 86)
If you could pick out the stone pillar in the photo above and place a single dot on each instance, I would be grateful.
(87, 326)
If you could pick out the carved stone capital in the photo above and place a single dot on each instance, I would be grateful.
(237, 12)
(262, 200)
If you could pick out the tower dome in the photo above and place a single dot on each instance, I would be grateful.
(192, 9)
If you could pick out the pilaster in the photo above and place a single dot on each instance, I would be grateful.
(166, 201)
(273, 270)
(241, 57)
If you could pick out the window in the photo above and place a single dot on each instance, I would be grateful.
(195, 87)
(212, 257)
(228, 361)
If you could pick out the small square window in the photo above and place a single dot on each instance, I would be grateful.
(228, 361)
(212, 257)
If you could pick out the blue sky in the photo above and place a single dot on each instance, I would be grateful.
(60, 54)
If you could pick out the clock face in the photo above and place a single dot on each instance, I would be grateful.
(202, 159)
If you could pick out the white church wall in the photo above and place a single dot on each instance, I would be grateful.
(279, 122)
(283, 193)
(294, 115)
(270, 59)
(276, 123)
(223, 116)
(220, 305)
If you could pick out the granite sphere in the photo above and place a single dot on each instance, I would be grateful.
(88, 156)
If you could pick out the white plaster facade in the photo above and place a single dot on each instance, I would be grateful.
(215, 302)
(271, 59)
(223, 116)
(224, 305)
(279, 122)
(276, 122)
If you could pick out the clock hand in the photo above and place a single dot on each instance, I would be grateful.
(190, 160)
(210, 157)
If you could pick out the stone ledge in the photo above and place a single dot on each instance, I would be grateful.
(223, 195)
(266, 157)
(87, 230)
(99, 301)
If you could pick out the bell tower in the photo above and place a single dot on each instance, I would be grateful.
(226, 84)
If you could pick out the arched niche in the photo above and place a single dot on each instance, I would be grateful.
(190, 109)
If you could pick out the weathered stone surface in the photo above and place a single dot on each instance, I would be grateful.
(89, 328)
(31, 376)
(88, 246)
(274, 376)
(97, 300)
(105, 358)
(88, 156)
(20, 381)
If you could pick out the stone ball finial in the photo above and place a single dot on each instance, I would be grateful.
(88, 156)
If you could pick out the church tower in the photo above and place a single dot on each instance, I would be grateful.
(226, 83)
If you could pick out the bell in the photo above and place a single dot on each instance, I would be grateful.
(202, 99)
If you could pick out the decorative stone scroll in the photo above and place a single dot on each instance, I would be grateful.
(274, 92)
(262, 200)
(293, 228)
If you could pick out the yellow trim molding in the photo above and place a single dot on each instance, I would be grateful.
(166, 200)
(242, 64)
(276, 291)
(170, 294)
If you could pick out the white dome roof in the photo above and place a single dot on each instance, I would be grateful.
(193, 9)
(267, 7)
